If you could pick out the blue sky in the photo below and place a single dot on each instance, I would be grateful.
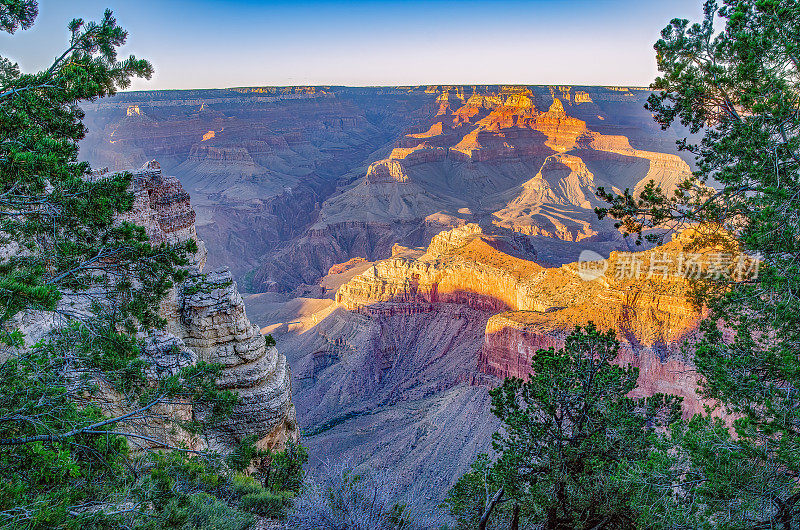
(216, 43)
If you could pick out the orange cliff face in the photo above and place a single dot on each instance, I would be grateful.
(538, 307)
(492, 125)
(489, 144)
(458, 267)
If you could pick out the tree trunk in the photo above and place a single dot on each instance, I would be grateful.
(489, 508)
(515, 518)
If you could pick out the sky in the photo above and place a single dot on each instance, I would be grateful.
(230, 43)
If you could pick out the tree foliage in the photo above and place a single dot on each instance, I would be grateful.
(77, 402)
(16, 14)
(468, 498)
(734, 79)
(566, 432)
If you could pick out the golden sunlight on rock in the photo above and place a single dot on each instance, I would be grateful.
(644, 296)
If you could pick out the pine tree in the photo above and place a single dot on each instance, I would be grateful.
(565, 433)
(65, 454)
(734, 79)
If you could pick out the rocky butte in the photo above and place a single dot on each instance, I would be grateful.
(206, 319)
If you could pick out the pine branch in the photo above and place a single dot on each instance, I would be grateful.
(58, 437)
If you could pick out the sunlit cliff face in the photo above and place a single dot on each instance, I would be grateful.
(499, 124)
(644, 296)
(133, 110)
(492, 130)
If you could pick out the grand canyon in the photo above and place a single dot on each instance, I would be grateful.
(400, 265)
(407, 248)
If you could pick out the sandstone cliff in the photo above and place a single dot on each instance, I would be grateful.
(643, 296)
(206, 321)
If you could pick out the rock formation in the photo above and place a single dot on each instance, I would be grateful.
(528, 161)
(162, 207)
(385, 171)
(640, 295)
(258, 162)
(206, 321)
(214, 325)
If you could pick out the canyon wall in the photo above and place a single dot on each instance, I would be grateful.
(207, 321)
(258, 162)
(537, 307)
(522, 159)
(288, 181)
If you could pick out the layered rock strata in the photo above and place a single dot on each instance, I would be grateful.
(395, 371)
(214, 325)
(291, 181)
(162, 207)
(529, 160)
(643, 296)
(258, 161)
(206, 321)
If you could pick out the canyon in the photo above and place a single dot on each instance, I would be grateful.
(407, 247)
(257, 162)
(287, 182)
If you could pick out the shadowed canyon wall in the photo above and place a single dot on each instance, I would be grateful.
(258, 163)
(205, 321)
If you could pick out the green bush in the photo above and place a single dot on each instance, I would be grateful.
(243, 454)
(284, 470)
(267, 504)
(208, 513)
(196, 512)
(242, 485)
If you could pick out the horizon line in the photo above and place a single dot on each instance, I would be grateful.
(639, 87)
